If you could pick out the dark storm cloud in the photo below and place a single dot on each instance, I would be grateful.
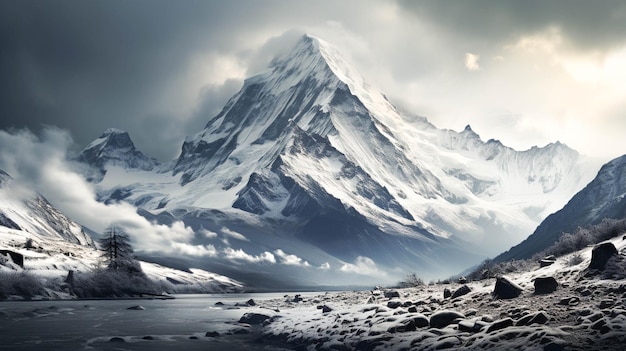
(589, 25)
(90, 65)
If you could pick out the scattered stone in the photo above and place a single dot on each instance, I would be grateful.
(412, 309)
(219, 303)
(241, 331)
(506, 289)
(463, 290)
(462, 280)
(116, 339)
(252, 303)
(569, 301)
(606, 304)
(534, 318)
(193, 337)
(444, 318)
(545, 263)
(601, 254)
(253, 318)
(467, 326)
(420, 321)
(406, 325)
(212, 334)
(394, 304)
(390, 294)
(137, 308)
(446, 293)
(545, 285)
(326, 309)
(148, 337)
(500, 324)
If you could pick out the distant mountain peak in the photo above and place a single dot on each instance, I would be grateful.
(115, 148)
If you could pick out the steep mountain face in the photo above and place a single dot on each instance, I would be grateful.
(308, 152)
(115, 148)
(604, 197)
(26, 211)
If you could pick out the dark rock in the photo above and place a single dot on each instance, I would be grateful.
(251, 302)
(598, 324)
(446, 293)
(394, 304)
(412, 309)
(506, 289)
(116, 339)
(606, 304)
(444, 318)
(545, 263)
(467, 326)
(545, 285)
(464, 290)
(500, 324)
(253, 318)
(601, 254)
(420, 321)
(406, 325)
(148, 337)
(136, 308)
(462, 280)
(212, 334)
(390, 294)
(552, 346)
(241, 331)
(297, 298)
(569, 301)
(219, 303)
(534, 318)
(193, 337)
(326, 309)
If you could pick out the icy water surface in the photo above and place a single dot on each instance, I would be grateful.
(177, 324)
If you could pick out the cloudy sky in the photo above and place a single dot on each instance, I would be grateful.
(525, 72)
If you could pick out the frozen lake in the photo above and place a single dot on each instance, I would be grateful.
(176, 324)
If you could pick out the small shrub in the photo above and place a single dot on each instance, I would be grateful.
(575, 259)
(20, 283)
(411, 280)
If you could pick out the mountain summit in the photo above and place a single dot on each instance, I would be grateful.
(308, 156)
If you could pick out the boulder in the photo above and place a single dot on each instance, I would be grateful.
(545, 285)
(506, 288)
(533, 318)
(326, 309)
(444, 318)
(136, 308)
(463, 290)
(253, 318)
(601, 254)
(446, 293)
(394, 304)
(390, 294)
(500, 324)
(420, 321)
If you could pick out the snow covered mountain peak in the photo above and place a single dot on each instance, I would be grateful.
(115, 148)
(309, 149)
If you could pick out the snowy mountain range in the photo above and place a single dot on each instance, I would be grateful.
(310, 162)
(604, 197)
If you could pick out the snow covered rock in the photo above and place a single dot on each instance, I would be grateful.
(463, 290)
(441, 319)
(253, 318)
(506, 288)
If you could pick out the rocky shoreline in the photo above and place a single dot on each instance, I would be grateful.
(557, 307)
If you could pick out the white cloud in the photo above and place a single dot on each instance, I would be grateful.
(290, 260)
(41, 164)
(471, 61)
(325, 266)
(208, 234)
(195, 250)
(233, 234)
(362, 266)
(241, 255)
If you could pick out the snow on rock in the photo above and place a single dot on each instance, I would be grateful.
(593, 319)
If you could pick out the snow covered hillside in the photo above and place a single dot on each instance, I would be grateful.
(37, 238)
(309, 160)
(603, 198)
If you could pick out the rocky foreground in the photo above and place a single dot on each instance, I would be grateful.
(562, 306)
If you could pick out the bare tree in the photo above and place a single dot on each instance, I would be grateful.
(118, 252)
